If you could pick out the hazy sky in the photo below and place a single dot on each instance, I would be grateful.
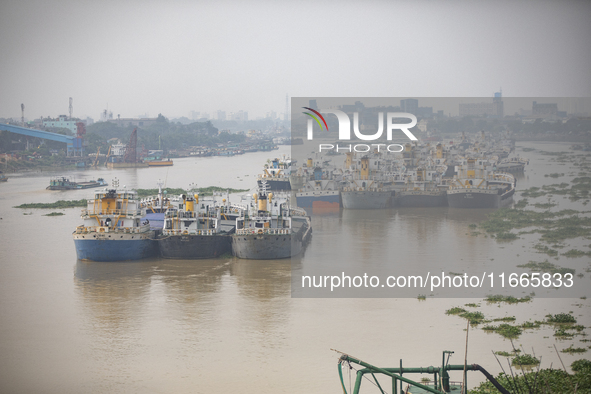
(172, 57)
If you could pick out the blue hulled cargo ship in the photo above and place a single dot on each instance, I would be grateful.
(113, 229)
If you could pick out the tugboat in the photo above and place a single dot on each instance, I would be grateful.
(276, 175)
(198, 230)
(477, 186)
(113, 229)
(273, 230)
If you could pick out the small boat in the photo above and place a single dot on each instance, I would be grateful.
(63, 183)
(159, 163)
(3, 178)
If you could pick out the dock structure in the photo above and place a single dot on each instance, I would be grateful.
(73, 143)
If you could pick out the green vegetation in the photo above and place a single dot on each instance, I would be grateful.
(529, 324)
(580, 189)
(507, 299)
(554, 227)
(562, 333)
(507, 318)
(521, 203)
(503, 353)
(561, 318)
(203, 191)
(472, 305)
(554, 175)
(473, 317)
(525, 359)
(546, 266)
(576, 253)
(505, 330)
(54, 214)
(545, 249)
(455, 311)
(572, 350)
(57, 204)
(421, 297)
(547, 205)
(544, 381)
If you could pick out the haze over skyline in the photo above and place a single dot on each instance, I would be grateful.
(151, 57)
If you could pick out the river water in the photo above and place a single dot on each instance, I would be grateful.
(230, 325)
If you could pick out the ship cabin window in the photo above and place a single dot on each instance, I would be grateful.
(258, 225)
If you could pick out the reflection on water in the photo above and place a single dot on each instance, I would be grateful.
(229, 325)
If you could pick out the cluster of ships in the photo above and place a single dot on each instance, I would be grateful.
(119, 226)
(468, 174)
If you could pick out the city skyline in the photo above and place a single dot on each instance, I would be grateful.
(176, 57)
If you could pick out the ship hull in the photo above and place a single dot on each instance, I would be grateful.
(105, 249)
(366, 199)
(473, 198)
(516, 168)
(265, 247)
(275, 184)
(271, 246)
(194, 246)
(420, 200)
(309, 200)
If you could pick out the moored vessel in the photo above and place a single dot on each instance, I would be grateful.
(271, 230)
(64, 183)
(513, 165)
(477, 186)
(276, 175)
(113, 229)
(320, 193)
(198, 229)
(366, 191)
(424, 189)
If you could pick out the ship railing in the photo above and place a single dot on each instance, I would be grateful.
(189, 232)
(106, 229)
(263, 231)
(114, 212)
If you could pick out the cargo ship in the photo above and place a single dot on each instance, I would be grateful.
(276, 175)
(476, 185)
(63, 183)
(154, 207)
(198, 230)
(319, 193)
(514, 165)
(366, 191)
(424, 188)
(112, 228)
(272, 230)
